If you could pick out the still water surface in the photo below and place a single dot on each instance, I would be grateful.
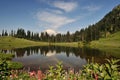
(41, 57)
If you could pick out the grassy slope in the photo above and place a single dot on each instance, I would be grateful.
(11, 42)
(111, 43)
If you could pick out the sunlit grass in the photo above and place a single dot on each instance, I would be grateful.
(68, 44)
(11, 42)
(111, 43)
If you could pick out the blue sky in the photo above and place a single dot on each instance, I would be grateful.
(52, 15)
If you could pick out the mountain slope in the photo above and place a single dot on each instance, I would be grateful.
(108, 25)
(111, 22)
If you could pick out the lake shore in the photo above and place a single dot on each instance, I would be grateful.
(110, 44)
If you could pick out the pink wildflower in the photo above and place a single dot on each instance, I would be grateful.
(32, 74)
(39, 74)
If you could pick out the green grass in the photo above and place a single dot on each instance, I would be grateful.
(12, 42)
(110, 44)
(68, 44)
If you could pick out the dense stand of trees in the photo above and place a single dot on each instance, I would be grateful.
(108, 25)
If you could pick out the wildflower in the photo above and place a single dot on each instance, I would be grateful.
(72, 71)
(13, 74)
(96, 76)
(39, 74)
(32, 74)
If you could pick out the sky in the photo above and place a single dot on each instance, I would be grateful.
(53, 16)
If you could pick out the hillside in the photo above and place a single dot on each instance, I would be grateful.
(7, 42)
(111, 43)
(110, 23)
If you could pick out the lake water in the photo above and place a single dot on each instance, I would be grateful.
(34, 58)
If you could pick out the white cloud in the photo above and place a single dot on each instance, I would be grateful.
(51, 32)
(53, 18)
(66, 6)
(57, 11)
(54, 11)
(55, 21)
(92, 8)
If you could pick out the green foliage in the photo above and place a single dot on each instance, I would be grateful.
(10, 64)
(105, 71)
(55, 73)
(14, 65)
(18, 75)
(6, 56)
(91, 71)
(4, 70)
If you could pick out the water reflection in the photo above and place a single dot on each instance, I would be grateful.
(42, 57)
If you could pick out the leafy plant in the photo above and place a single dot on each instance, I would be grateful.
(14, 65)
(4, 70)
(91, 71)
(105, 71)
(4, 56)
(55, 72)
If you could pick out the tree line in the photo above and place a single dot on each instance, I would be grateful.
(106, 26)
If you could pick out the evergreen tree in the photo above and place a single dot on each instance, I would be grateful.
(3, 34)
(28, 36)
(12, 33)
(6, 34)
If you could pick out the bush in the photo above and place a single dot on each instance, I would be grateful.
(4, 70)
(14, 65)
(105, 71)
(4, 56)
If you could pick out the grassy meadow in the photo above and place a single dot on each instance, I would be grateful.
(109, 44)
(11, 42)
(68, 44)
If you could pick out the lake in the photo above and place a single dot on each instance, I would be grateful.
(34, 58)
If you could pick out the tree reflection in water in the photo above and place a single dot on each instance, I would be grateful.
(44, 56)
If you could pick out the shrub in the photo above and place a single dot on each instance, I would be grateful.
(4, 56)
(4, 70)
(105, 71)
